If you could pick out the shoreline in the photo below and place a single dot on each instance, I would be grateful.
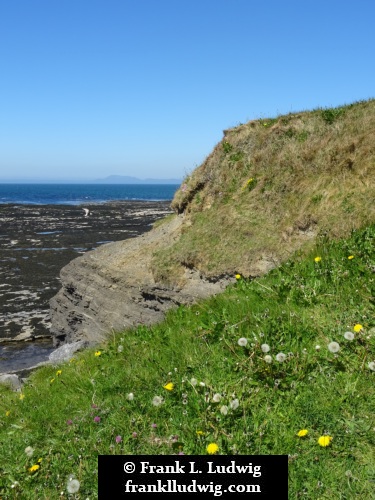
(36, 241)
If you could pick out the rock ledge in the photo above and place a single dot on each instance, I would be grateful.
(112, 288)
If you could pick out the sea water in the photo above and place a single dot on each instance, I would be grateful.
(78, 194)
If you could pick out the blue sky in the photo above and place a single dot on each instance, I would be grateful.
(90, 88)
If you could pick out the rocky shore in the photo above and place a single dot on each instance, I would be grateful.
(113, 288)
(36, 241)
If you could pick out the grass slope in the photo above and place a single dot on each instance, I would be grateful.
(222, 388)
(271, 187)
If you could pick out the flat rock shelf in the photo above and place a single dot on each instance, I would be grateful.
(36, 241)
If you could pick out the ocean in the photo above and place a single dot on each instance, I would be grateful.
(78, 194)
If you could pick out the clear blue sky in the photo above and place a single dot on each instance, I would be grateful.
(90, 88)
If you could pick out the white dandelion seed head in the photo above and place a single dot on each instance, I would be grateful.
(193, 381)
(234, 404)
(333, 347)
(371, 366)
(242, 342)
(349, 335)
(265, 348)
(29, 451)
(224, 410)
(268, 358)
(216, 398)
(202, 384)
(157, 401)
(72, 486)
(120, 348)
(280, 357)
(130, 396)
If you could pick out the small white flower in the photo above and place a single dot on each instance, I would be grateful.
(193, 381)
(268, 358)
(317, 347)
(72, 486)
(242, 342)
(157, 401)
(333, 347)
(265, 347)
(234, 404)
(224, 410)
(371, 366)
(202, 384)
(216, 398)
(349, 335)
(130, 396)
(120, 348)
(280, 357)
(29, 451)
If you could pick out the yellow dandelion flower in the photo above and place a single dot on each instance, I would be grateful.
(98, 353)
(58, 373)
(325, 440)
(351, 257)
(318, 259)
(357, 328)
(22, 396)
(7, 413)
(39, 460)
(34, 468)
(212, 448)
(52, 381)
(238, 276)
(302, 433)
(250, 181)
(200, 433)
(168, 386)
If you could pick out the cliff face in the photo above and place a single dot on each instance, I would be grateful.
(112, 288)
(268, 189)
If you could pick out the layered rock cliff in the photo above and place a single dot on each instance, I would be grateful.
(112, 288)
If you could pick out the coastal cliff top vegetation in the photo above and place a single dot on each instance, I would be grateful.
(271, 187)
(279, 365)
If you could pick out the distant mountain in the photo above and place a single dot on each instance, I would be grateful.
(125, 179)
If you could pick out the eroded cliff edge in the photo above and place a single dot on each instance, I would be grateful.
(112, 288)
(270, 188)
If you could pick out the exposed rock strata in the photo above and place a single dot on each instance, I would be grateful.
(112, 288)
(36, 241)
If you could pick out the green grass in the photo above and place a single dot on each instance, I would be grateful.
(305, 303)
(314, 174)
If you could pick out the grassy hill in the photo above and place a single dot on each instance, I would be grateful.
(278, 364)
(271, 187)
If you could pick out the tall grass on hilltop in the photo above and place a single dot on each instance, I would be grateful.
(270, 187)
(283, 364)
